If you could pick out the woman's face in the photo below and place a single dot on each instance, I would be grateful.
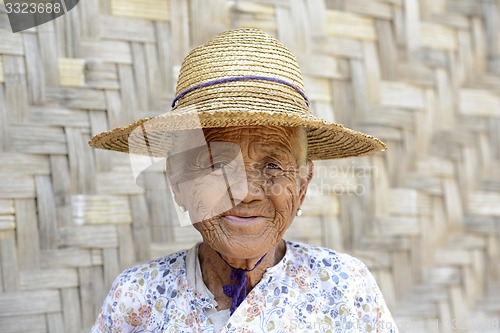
(245, 190)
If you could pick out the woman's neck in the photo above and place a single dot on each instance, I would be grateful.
(216, 272)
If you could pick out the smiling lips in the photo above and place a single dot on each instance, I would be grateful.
(241, 218)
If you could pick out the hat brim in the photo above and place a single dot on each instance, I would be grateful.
(153, 136)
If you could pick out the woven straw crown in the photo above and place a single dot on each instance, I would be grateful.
(241, 77)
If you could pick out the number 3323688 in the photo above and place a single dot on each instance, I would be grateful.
(33, 8)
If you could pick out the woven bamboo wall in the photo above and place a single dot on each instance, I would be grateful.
(423, 75)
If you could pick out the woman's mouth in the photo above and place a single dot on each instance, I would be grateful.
(241, 218)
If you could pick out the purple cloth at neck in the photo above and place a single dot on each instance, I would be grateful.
(238, 290)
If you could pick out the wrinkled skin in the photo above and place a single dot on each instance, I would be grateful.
(277, 176)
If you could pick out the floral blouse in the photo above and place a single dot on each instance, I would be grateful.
(312, 289)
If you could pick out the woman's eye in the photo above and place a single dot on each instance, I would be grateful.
(218, 165)
(273, 166)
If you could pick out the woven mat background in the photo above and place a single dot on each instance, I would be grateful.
(423, 75)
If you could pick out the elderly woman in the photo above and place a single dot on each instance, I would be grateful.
(239, 144)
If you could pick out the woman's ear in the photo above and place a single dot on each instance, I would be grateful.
(306, 174)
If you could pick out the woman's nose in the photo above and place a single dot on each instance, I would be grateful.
(256, 184)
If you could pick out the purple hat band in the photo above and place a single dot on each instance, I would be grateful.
(238, 78)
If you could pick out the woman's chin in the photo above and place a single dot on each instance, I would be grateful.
(240, 247)
(240, 237)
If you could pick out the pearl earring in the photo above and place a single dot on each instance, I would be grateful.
(182, 208)
(299, 212)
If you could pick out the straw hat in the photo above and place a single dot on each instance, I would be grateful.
(241, 77)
